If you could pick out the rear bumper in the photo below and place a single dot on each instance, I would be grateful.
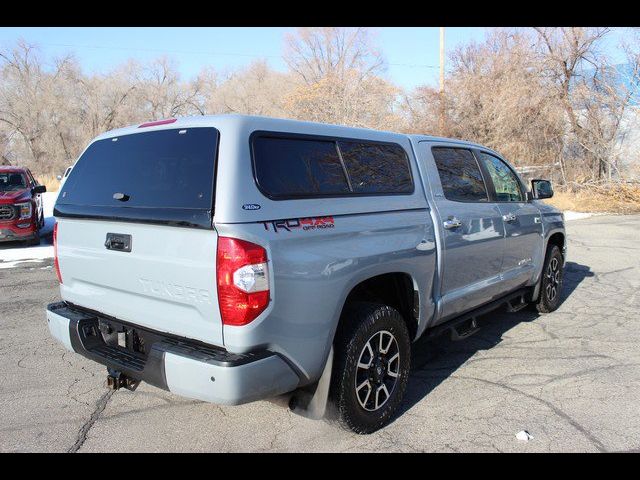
(184, 367)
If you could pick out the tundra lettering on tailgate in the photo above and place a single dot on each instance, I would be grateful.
(172, 290)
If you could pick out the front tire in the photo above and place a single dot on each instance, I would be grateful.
(373, 358)
(551, 281)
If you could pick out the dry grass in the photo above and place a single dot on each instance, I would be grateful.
(611, 198)
(52, 183)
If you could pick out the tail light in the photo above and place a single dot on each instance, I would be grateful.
(243, 280)
(55, 252)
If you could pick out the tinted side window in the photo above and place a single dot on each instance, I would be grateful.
(459, 174)
(505, 182)
(287, 167)
(376, 167)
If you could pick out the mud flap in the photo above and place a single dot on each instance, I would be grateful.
(313, 403)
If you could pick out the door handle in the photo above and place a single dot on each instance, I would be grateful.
(509, 217)
(452, 222)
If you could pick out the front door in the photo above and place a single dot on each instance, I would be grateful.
(522, 222)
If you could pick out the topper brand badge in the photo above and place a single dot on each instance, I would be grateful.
(251, 206)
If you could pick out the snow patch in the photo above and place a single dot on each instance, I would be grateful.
(49, 200)
(571, 215)
(17, 263)
(11, 256)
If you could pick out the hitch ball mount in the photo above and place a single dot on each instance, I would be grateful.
(117, 380)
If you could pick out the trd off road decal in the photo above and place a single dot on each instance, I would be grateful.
(302, 223)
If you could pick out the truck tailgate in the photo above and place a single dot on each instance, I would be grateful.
(152, 191)
(167, 282)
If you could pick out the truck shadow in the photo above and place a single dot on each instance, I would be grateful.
(435, 359)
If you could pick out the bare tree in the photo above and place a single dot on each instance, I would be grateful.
(108, 101)
(352, 101)
(317, 53)
(495, 97)
(338, 71)
(5, 149)
(254, 90)
(163, 94)
(581, 80)
(32, 102)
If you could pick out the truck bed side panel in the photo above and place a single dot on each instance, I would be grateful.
(314, 270)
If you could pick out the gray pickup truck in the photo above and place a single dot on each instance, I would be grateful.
(234, 258)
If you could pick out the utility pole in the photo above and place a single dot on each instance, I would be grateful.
(442, 107)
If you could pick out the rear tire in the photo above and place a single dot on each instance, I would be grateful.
(373, 358)
(551, 281)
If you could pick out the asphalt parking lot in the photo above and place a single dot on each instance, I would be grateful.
(570, 378)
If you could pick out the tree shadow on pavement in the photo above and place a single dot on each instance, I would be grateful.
(435, 359)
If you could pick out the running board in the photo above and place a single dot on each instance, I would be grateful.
(458, 324)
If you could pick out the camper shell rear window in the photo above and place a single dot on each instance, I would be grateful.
(162, 176)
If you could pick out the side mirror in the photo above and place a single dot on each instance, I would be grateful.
(58, 177)
(541, 189)
(38, 189)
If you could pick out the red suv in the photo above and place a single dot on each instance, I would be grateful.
(21, 215)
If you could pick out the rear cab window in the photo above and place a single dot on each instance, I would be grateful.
(163, 176)
(376, 167)
(460, 175)
(289, 167)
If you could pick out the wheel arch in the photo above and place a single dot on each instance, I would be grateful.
(557, 238)
(396, 289)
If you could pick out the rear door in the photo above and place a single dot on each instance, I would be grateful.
(135, 235)
(522, 222)
(472, 229)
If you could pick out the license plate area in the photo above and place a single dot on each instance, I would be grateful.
(120, 336)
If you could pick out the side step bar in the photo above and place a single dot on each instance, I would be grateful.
(516, 304)
(464, 330)
(466, 325)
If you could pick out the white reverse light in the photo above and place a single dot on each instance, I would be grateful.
(252, 278)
